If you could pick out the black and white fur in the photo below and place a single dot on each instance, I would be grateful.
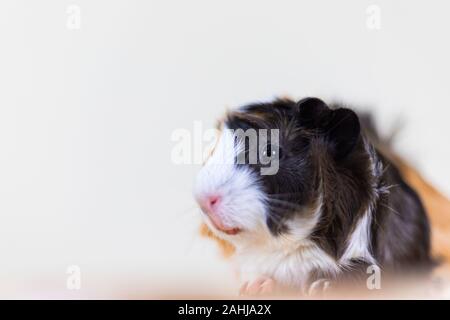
(336, 205)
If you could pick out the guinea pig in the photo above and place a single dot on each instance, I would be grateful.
(308, 198)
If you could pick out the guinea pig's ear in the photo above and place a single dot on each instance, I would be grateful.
(340, 126)
(342, 130)
(313, 112)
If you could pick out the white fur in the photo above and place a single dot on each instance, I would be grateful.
(358, 244)
(288, 258)
(288, 265)
(242, 201)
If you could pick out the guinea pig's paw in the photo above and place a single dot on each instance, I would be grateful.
(319, 287)
(259, 286)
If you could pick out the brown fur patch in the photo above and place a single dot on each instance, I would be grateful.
(438, 210)
(226, 248)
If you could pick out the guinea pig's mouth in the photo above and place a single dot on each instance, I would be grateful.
(219, 225)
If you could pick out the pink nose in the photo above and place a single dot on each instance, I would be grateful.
(210, 206)
(209, 203)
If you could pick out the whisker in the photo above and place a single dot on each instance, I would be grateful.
(391, 186)
(286, 203)
(284, 194)
(278, 225)
(279, 212)
(390, 208)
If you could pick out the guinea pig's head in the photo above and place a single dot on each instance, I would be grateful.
(263, 178)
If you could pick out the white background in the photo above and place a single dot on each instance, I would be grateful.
(86, 117)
